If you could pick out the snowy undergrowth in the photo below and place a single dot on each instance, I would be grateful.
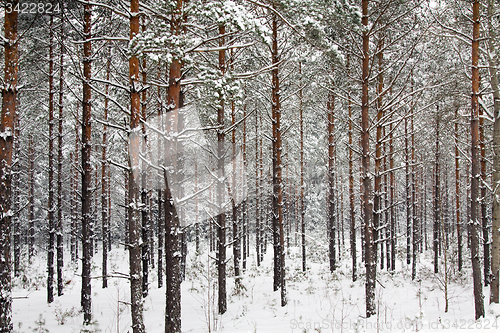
(318, 301)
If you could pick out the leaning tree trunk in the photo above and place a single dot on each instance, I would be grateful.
(370, 264)
(475, 165)
(9, 98)
(135, 135)
(86, 191)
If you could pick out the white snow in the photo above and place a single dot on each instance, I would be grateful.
(318, 301)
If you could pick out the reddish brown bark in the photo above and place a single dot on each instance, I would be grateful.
(475, 165)
(134, 239)
(9, 97)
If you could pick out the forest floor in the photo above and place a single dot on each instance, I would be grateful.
(318, 301)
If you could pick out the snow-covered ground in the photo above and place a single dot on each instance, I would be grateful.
(318, 301)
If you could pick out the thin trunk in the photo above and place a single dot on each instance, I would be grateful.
(370, 264)
(145, 254)
(377, 197)
(495, 234)
(51, 203)
(331, 184)
(302, 204)
(134, 229)
(278, 232)
(172, 246)
(474, 220)
(258, 234)
(437, 214)
(457, 194)
(237, 239)
(31, 184)
(60, 228)
(86, 168)
(9, 99)
(104, 180)
(352, 204)
(484, 214)
(221, 216)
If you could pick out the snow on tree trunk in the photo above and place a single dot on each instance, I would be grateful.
(475, 166)
(86, 296)
(370, 264)
(9, 97)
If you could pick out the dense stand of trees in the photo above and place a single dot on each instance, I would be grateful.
(345, 119)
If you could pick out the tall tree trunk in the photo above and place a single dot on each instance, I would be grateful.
(86, 190)
(237, 237)
(484, 214)
(134, 229)
(9, 98)
(160, 219)
(172, 246)
(278, 232)
(31, 199)
(437, 208)
(352, 205)
(243, 170)
(60, 227)
(331, 183)
(370, 264)
(258, 194)
(51, 203)
(474, 220)
(495, 234)
(457, 194)
(144, 190)
(104, 180)
(377, 197)
(221, 215)
(302, 204)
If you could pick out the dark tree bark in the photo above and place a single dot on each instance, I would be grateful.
(172, 246)
(9, 98)
(145, 254)
(484, 214)
(86, 299)
(352, 205)
(258, 234)
(370, 264)
(104, 182)
(31, 184)
(331, 183)
(457, 194)
(437, 206)
(277, 209)
(60, 230)
(377, 197)
(302, 204)
(474, 220)
(221, 216)
(51, 202)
